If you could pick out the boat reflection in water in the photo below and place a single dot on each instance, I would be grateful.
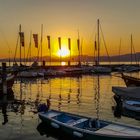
(5, 101)
(8, 103)
(120, 110)
(50, 132)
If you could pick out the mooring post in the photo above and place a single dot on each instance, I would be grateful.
(4, 75)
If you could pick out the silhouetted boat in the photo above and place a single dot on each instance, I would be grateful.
(88, 128)
(130, 81)
(98, 68)
(127, 92)
(101, 70)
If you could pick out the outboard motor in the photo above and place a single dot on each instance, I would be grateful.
(42, 108)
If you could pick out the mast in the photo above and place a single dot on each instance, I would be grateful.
(78, 44)
(98, 42)
(20, 42)
(81, 55)
(30, 47)
(24, 56)
(50, 55)
(49, 47)
(41, 40)
(131, 48)
(59, 42)
(120, 50)
(9, 57)
(69, 45)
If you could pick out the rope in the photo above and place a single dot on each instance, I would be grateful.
(16, 50)
(105, 44)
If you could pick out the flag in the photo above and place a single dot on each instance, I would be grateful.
(78, 43)
(69, 43)
(21, 34)
(35, 36)
(59, 41)
(49, 46)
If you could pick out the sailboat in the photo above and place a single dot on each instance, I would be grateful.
(131, 81)
(132, 68)
(98, 68)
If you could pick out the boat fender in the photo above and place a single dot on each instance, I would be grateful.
(55, 125)
(78, 134)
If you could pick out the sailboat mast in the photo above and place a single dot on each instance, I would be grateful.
(78, 44)
(120, 50)
(69, 45)
(98, 39)
(30, 47)
(131, 48)
(41, 39)
(20, 42)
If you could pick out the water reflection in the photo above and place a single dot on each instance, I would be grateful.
(50, 132)
(85, 95)
(72, 94)
(97, 96)
(8, 103)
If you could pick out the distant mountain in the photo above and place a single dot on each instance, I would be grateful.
(123, 58)
(86, 58)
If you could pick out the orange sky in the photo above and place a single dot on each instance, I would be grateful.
(63, 18)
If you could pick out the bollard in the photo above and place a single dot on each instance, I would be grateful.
(43, 63)
(68, 63)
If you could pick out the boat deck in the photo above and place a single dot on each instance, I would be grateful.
(113, 129)
(50, 114)
(77, 122)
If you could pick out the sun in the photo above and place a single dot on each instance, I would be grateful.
(63, 52)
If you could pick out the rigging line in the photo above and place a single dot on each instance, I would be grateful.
(92, 34)
(38, 52)
(81, 49)
(105, 44)
(95, 49)
(16, 49)
(120, 49)
(27, 54)
(134, 52)
(29, 49)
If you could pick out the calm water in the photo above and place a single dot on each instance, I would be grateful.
(88, 95)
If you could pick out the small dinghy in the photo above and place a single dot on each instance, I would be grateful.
(88, 128)
(132, 105)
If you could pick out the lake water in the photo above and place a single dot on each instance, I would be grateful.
(88, 95)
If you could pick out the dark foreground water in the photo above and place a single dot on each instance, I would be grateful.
(88, 95)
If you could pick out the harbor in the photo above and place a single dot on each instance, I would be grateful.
(69, 70)
(65, 94)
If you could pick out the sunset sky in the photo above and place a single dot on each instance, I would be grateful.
(64, 18)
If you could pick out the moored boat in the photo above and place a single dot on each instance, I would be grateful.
(130, 81)
(127, 92)
(132, 105)
(88, 128)
(101, 70)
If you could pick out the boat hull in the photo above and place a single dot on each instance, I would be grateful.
(80, 133)
(131, 81)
